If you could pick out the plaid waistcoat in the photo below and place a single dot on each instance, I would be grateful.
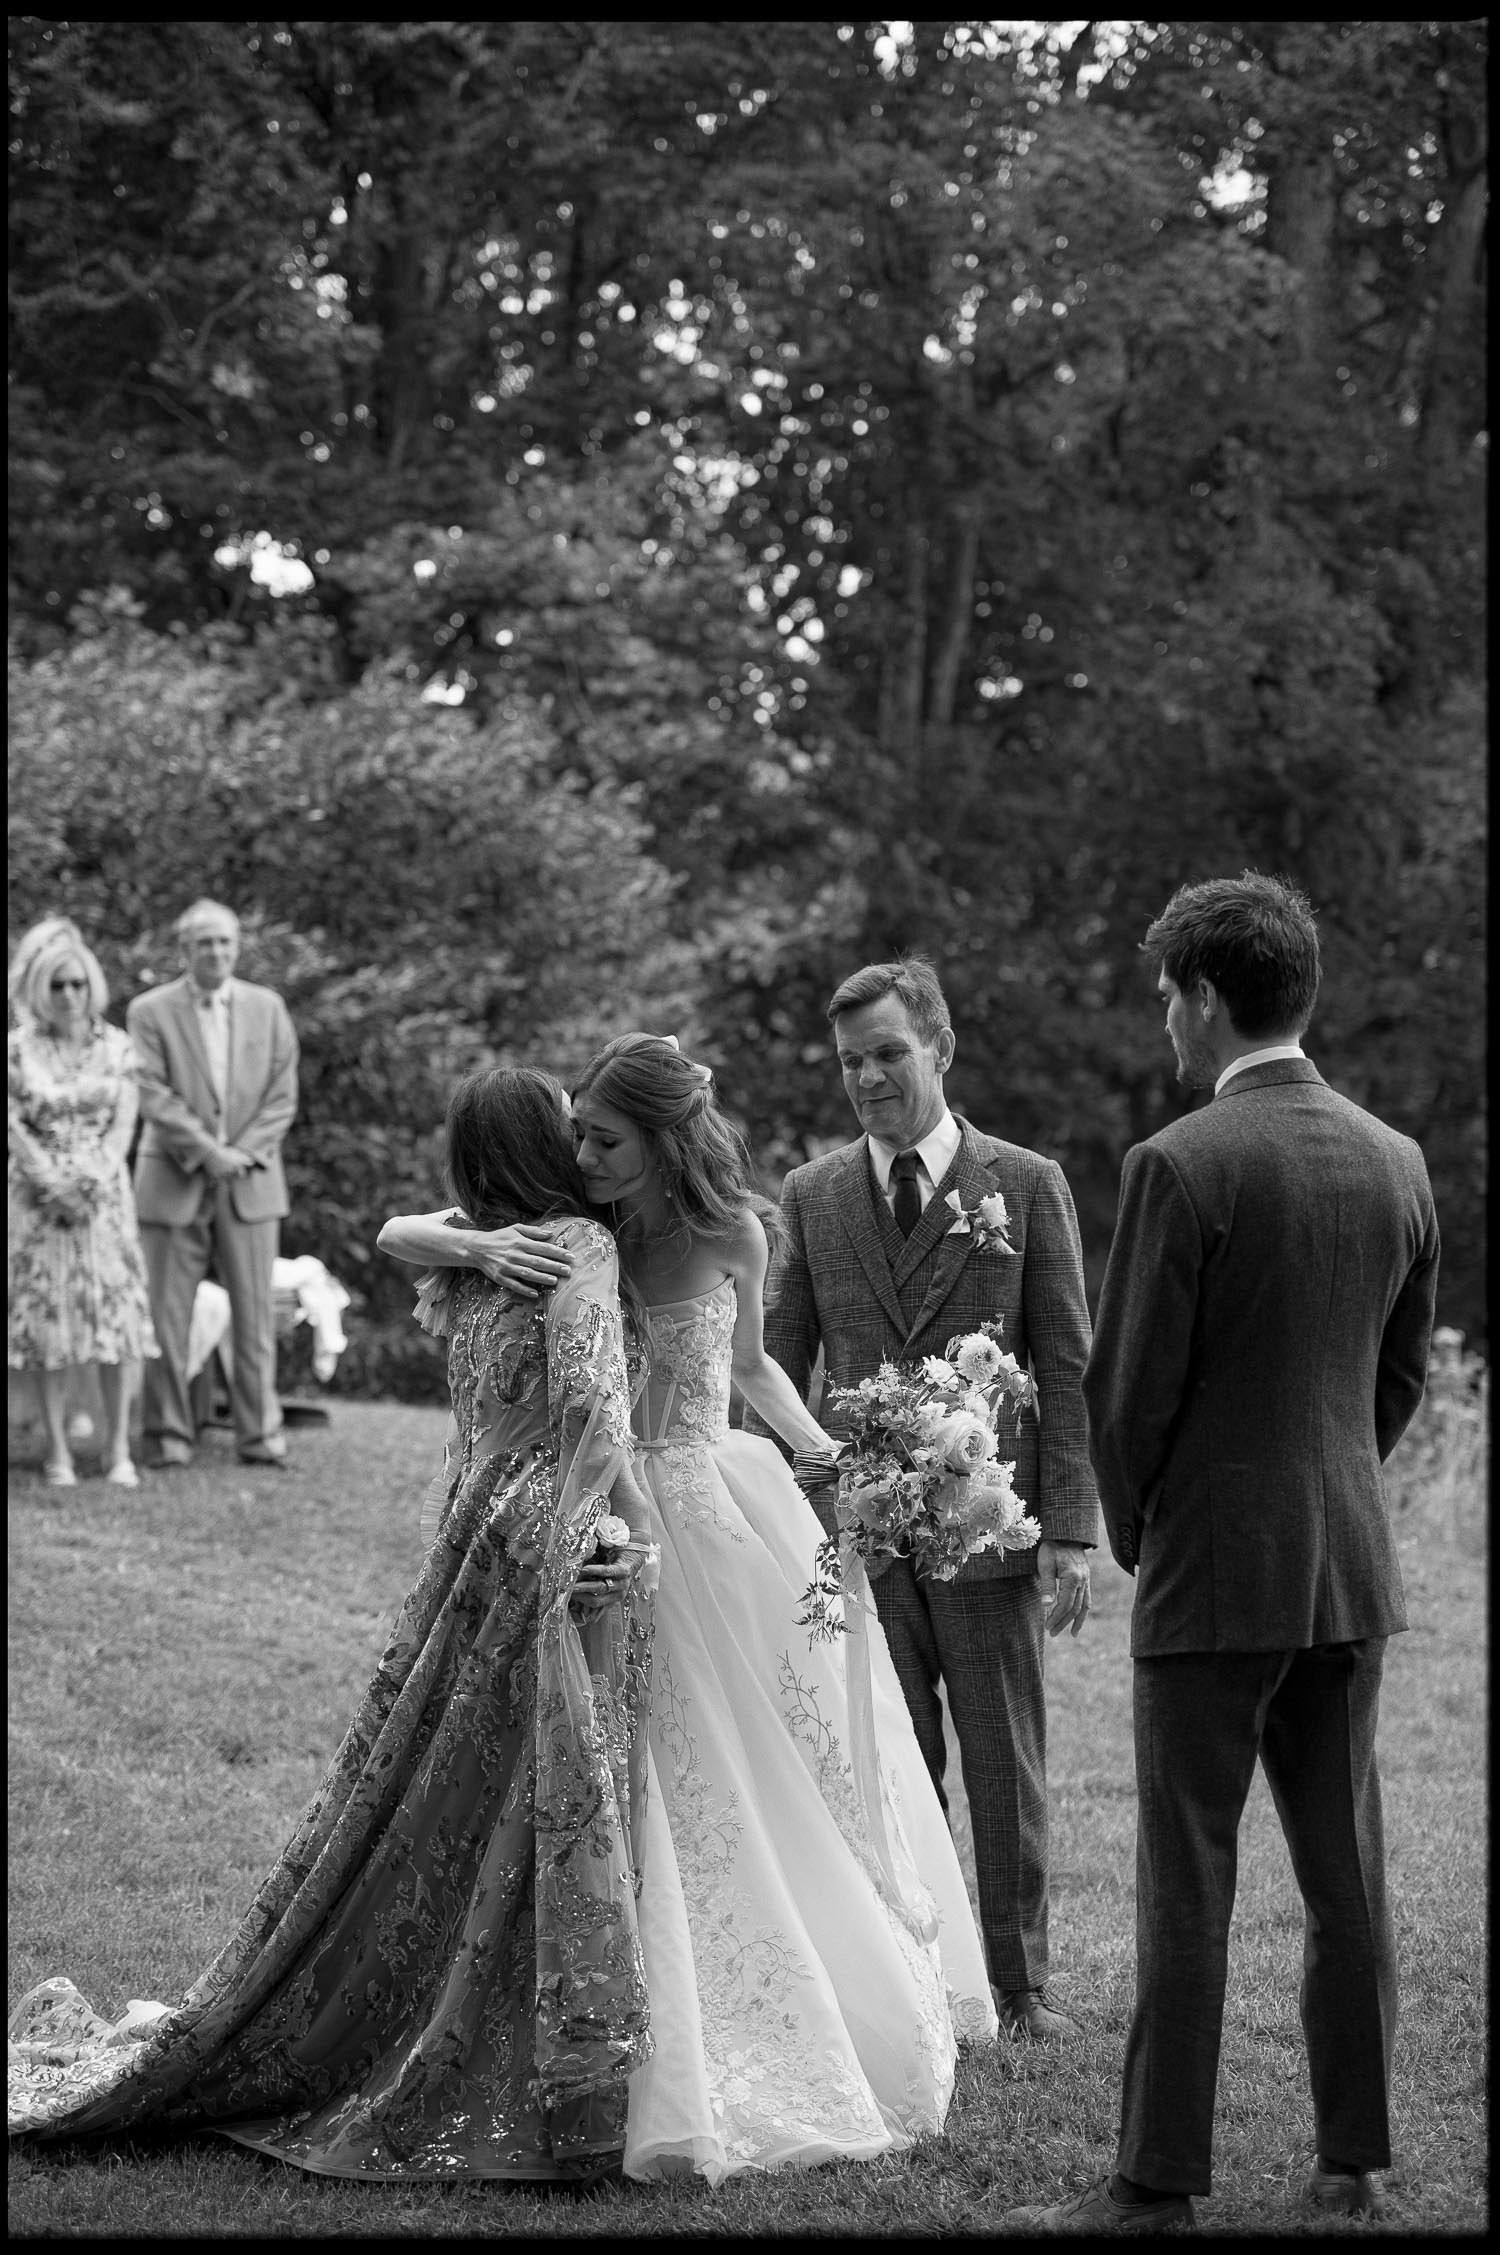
(848, 1282)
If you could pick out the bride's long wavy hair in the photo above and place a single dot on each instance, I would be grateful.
(701, 1157)
(508, 1148)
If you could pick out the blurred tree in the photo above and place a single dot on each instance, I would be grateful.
(156, 216)
(427, 895)
(950, 482)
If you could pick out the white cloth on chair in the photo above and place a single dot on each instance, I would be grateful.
(321, 1300)
(208, 1330)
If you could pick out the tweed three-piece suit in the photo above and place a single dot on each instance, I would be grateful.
(848, 1282)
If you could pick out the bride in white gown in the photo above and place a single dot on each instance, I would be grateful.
(810, 1950)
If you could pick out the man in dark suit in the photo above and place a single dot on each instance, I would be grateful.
(1261, 1345)
(873, 1269)
(218, 1093)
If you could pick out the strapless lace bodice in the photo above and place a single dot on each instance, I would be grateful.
(686, 1400)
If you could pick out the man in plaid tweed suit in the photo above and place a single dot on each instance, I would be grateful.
(852, 1281)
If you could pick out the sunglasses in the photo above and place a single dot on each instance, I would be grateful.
(70, 986)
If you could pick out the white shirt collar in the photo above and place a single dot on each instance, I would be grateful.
(937, 1151)
(1271, 1056)
(216, 998)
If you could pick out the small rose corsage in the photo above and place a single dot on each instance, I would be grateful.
(611, 1536)
(987, 1222)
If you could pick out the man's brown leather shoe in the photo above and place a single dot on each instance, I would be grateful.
(1031, 2016)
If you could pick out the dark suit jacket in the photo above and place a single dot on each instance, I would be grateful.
(181, 1112)
(846, 1282)
(1261, 1345)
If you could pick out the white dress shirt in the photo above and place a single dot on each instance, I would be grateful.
(1270, 1056)
(213, 1020)
(935, 1155)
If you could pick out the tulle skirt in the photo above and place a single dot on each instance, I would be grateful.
(803, 2005)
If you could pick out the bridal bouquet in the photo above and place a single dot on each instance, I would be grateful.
(919, 1476)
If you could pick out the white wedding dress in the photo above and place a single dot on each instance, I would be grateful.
(810, 1950)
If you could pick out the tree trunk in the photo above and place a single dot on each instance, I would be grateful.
(1300, 211)
(958, 617)
(1453, 393)
(401, 380)
(903, 671)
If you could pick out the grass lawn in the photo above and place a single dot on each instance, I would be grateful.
(184, 1659)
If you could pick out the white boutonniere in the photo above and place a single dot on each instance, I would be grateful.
(987, 1222)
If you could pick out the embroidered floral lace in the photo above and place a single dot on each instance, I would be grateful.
(442, 1974)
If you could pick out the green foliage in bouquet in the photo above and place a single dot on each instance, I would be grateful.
(920, 1475)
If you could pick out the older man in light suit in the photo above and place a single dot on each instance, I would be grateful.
(872, 1270)
(1261, 1344)
(218, 1094)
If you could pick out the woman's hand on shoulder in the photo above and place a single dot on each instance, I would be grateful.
(526, 1259)
(523, 1257)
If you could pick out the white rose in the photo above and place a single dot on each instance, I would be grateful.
(991, 1212)
(611, 1534)
(964, 1440)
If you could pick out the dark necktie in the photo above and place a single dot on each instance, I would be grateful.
(908, 1196)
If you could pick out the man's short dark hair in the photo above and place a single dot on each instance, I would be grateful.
(1254, 938)
(914, 983)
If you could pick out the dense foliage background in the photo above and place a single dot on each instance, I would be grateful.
(571, 525)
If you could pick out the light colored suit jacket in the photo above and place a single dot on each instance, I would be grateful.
(846, 1283)
(1261, 1345)
(181, 1112)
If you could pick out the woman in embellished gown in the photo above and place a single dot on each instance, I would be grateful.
(810, 1950)
(442, 1975)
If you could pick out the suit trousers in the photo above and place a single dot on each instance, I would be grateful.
(178, 1257)
(983, 1640)
(1200, 1720)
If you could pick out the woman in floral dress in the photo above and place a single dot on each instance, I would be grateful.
(441, 1977)
(77, 1276)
